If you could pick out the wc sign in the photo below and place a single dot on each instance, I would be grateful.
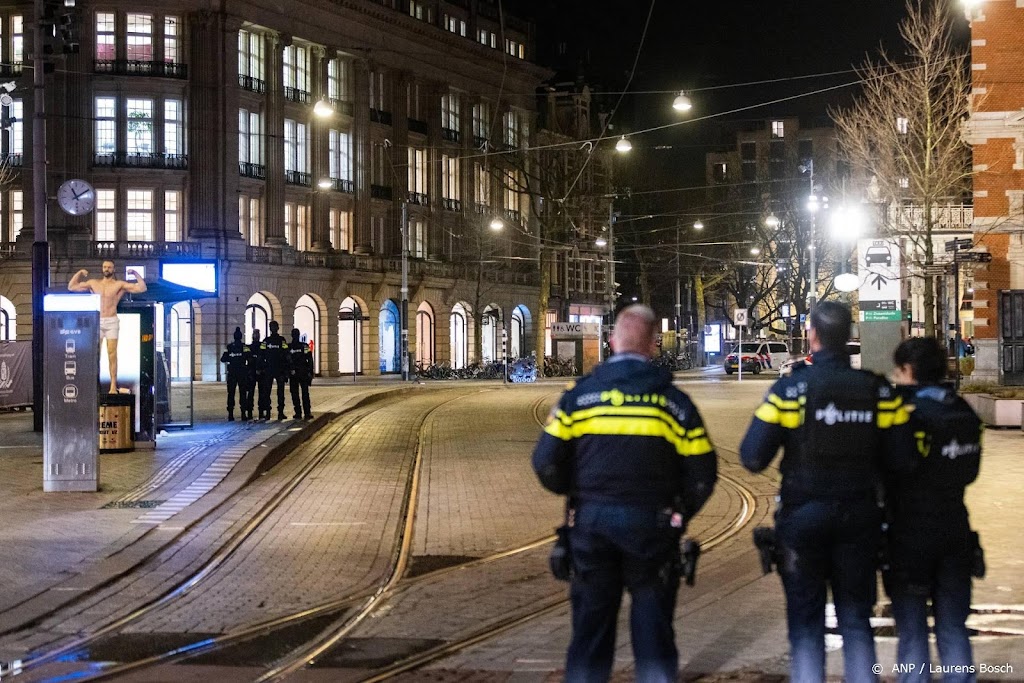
(575, 330)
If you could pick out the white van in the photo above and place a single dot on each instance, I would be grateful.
(758, 356)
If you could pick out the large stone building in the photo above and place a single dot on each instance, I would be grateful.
(996, 134)
(199, 127)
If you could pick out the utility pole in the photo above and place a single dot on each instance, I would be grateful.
(404, 310)
(611, 262)
(813, 298)
(40, 246)
(678, 298)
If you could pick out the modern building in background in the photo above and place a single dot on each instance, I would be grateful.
(290, 144)
(996, 134)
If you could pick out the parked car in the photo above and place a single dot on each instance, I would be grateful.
(757, 356)
(853, 348)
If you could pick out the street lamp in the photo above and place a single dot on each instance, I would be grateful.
(698, 225)
(324, 183)
(497, 224)
(847, 223)
(682, 102)
(623, 145)
(601, 242)
(772, 221)
(755, 251)
(323, 109)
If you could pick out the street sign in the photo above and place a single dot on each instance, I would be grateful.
(973, 257)
(879, 269)
(739, 317)
(959, 244)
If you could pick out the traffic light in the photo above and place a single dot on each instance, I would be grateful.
(60, 27)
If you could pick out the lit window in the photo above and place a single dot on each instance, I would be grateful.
(17, 213)
(140, 37)
(450, 177)
(455, 25)
(418, 239)
(172, 215)
(106, 216)
(296, 67)
(515, 48)
(778, 129)
(418, 170)
(255, 224)
(14, 119)
(377, 91)
(106, 125)
(296, 146)
(140, 215)
(289, 223)
(171, 40)
(140, 126)
(250, 54)
(339, 79)
(174, 140)
(482, 185)
(450, 111)
(341, 229)
(250, 149)
(902, 125)
(105, 49)
(340, 154)
(481, 121)
(512, 136)
(904, 183)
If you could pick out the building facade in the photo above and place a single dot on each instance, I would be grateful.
(996, 134)
(300, 147)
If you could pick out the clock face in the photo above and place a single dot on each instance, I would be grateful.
(76, 197)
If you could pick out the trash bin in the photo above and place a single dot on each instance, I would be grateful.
(117, 423)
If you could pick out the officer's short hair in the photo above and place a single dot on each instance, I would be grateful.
(274, 325)
(925, 356)
(831, 321)
(636, 327)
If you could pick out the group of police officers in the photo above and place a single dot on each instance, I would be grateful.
(860, 456)
(254, 369)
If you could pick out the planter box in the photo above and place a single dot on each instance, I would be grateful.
(996, 412)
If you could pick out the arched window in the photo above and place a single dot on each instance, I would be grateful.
(307, 322)
(390, 346)
(8, 320)
(490, 335)
(350, 337)
(457, 331)
(517, 333)
(425, 334)
(258, 313)
(181, 340)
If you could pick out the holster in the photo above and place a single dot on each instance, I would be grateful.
(560, 560)
(977, 557)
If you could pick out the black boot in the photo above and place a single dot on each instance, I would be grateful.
(231, 417)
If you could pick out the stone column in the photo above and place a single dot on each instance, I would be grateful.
(361, 151)
(320, 161)
(435, 182)
(273, 136)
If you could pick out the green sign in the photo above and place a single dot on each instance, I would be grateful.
(879, 316)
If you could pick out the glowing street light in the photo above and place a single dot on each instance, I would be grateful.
(324, 183)
(497, 223)
(698, 225)
(848, 223)
(623, 145)
(601, 242)
(772, 221)
(682, 102)
(755, 251)
(323, 109)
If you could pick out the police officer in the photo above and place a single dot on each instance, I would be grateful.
(252, 376)
(631, 452)
(301, 375)
(840, 429)
(931, 546)
(236, 356)
(275, 369)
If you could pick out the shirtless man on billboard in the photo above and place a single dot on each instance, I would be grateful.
(110, 290)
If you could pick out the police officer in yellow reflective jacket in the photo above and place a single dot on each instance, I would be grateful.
(631, 452)
(840, 429)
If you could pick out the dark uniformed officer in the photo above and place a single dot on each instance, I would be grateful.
(301, 375)
(236, 356)
(931, 547)
(252, 375)
(275, 368)
(840, 429)
(631, 452)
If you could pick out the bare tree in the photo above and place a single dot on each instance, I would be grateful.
(904, 132)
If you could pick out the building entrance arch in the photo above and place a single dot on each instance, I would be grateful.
(307, 322)
(459, 340)
(425, 335)
(8, 320)
(350, 337)
(258, 314)
(390, 346)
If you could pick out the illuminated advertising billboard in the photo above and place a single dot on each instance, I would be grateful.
(201, 275)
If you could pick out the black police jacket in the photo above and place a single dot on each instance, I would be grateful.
(275, 355)
(300, 361)
(624, 434)
(237, 358)
(256, 359)
(948, 436)
(840, 429)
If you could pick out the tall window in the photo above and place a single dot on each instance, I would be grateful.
(418, 239)
(14, 118)
(250, 127)
(340, 154)
(377, 98)
(455, 25)
(106, 125)
(140, 215)
(339, 79)
(481, 120)
(106, 215)
(172, 40)
(172, 216)
(289, 222)
(450, 111)
(105, 47)
(380, 166)
(902, 125)
(488, 38)
(296, 67)
(515, 48)
(481, 184)
(418, 170)
(450, 177)
(174, 127)
(412, 92)
(296, 227)
(17, 213)
(140, 37)
(250, 55)
(511, 126)
(341, 229)
(249, 219)
(140, 126)
(778, 129)
(296, 146)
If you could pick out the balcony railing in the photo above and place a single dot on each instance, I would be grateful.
(451, 204)
(450, 134)
(253, 84)
(265, 255)
(381, 192)
(417, 126)
(295, 95)
(381, 117)
(11, 69)
(134, 67)
(298, 178)
(342, 106)
(514, 216)
(141, 160)
(12, 160)
(257, 171)
(419, 198)
(481, 209)
(134, 249)
(949, 217)
(340, 185)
